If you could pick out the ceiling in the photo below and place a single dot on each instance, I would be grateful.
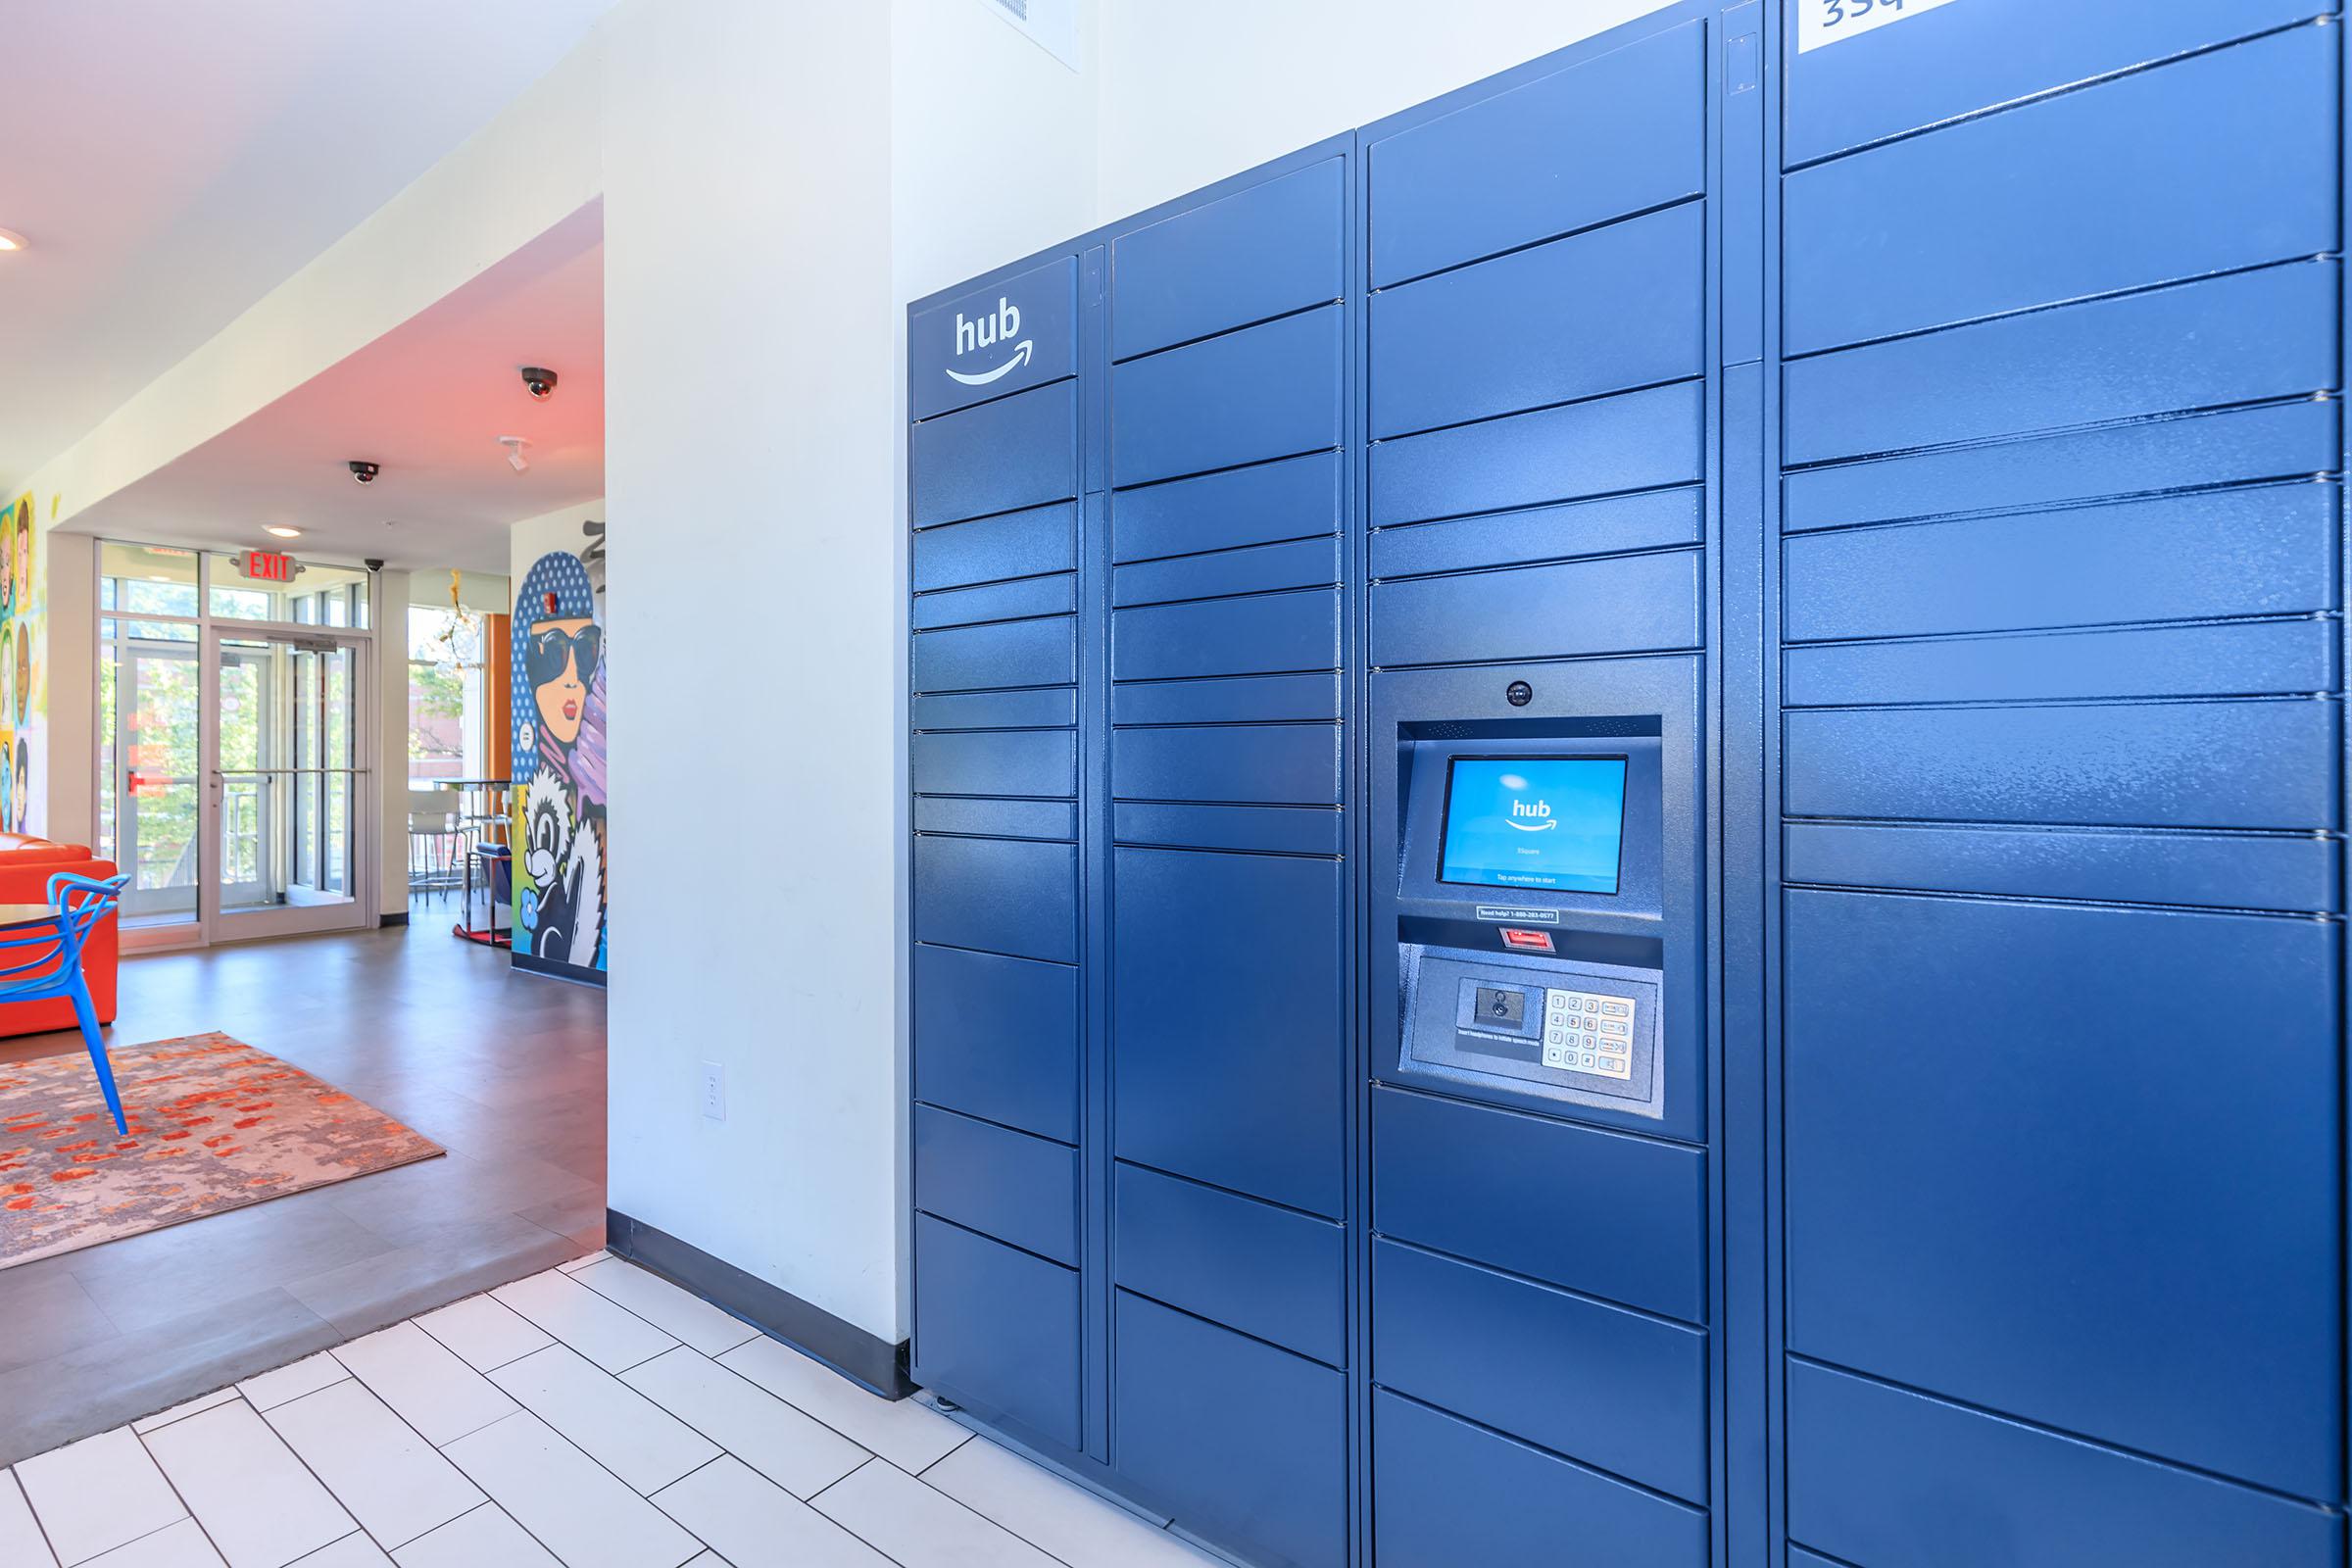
(171, 164)
(429, 401)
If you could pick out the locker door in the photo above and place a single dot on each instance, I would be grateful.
(1229, 1022)
(995, 476)
(2059, 738)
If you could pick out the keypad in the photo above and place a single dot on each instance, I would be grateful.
(1584, 1032)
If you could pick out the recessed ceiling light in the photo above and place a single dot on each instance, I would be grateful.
(283, 533)
(10, 241)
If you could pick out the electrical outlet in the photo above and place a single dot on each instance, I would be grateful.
(714, 1091)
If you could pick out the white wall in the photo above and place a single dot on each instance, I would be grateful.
(749, 444)
(779, 178)
(533, 538)
(992, 144)
(482, 591)
(1194, 90)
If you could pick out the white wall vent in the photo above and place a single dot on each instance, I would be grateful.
(1052, 25)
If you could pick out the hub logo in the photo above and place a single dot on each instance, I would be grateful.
(1539, 811)
(997, 326)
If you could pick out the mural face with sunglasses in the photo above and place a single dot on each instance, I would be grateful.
(562, 658)
(558, 711)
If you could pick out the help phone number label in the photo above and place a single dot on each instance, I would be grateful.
(1822, 23)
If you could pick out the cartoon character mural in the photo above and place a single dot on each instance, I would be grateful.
(558, 773)
(24, 715)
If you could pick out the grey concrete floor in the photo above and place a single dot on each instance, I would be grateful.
(506, 1072)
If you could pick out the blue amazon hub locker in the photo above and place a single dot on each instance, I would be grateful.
(1628, 802)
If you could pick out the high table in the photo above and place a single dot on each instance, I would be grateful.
(489, 818)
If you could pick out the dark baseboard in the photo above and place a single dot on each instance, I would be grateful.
(402, 918)
(861, 1357)
(530, 964)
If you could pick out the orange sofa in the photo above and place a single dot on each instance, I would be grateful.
(27, 864)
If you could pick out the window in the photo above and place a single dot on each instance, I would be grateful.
(447, 731)
(147, 579)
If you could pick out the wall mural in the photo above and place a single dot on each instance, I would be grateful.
(558, 794)
(24, 704)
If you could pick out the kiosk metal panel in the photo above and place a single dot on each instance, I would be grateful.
(1273, 1273)
(1891, 1178)
(1002, 1327)
(1626, 1391)
(1448, 1491)
(1625, 134)
(1874, 1469)
(1243, 1439)
(2144, 180)
(1264, 251)
(1970, 56)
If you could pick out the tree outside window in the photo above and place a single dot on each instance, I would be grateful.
(446, 729)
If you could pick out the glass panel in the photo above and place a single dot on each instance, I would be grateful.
(305, 671)
(445, 731)
(330, 854)
(248, 684)
(169, 631)
(147, 579)
(147, 774)
(335, 877)
(331, 595)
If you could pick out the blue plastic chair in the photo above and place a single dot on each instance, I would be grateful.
(41, 959)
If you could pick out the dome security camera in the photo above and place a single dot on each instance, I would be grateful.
(539, 382)
(364, 473)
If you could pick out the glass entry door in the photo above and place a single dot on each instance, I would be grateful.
(284, 769)
(151, 777)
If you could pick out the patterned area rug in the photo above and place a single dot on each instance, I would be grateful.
(214, 1124)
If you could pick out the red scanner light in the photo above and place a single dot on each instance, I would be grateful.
(1527, 941)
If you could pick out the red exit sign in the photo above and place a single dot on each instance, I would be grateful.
(268, 565)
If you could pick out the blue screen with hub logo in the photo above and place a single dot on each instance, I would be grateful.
(1554, 823)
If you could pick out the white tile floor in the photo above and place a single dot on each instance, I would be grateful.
(594, 1417)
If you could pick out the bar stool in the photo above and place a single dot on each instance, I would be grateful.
(436, 840)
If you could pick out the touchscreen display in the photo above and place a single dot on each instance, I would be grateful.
(1552, 822)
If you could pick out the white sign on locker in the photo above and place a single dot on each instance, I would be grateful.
(1820, 22)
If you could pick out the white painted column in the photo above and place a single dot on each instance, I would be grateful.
(70, 659)
(390, 780)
